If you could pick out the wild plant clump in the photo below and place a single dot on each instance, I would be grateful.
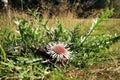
(35, 49)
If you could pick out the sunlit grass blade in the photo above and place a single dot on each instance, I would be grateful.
(3, 54)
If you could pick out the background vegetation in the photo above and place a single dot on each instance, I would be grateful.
(79, 8)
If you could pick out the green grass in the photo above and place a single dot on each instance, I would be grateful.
(95, 50)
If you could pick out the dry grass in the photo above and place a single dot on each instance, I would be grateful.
(68, 21)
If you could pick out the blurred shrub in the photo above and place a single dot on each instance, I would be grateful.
(116, 6)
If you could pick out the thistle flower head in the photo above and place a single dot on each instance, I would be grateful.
(58, 51)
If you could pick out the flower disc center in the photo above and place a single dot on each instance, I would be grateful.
(59, 49)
